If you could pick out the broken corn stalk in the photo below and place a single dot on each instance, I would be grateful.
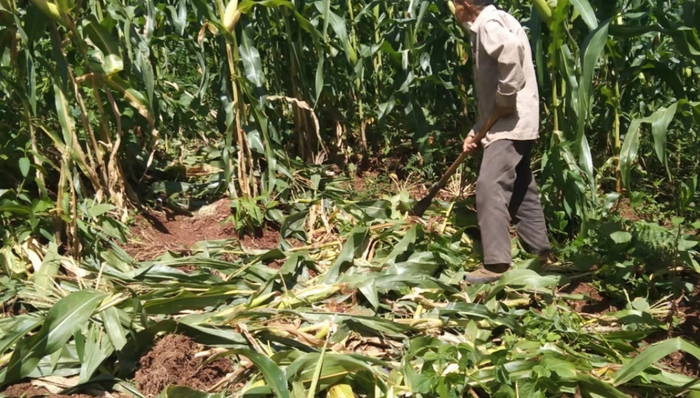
(235, 310)
(309, 295)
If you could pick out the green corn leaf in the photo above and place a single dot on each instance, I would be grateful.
(251, 59)
(180, 19)
(100, 209)
(652, 355)
(185, 392)
(272, 373)
(113, 62)
(369, 290)
(660, 121)
(586, 162)
(143, 65)
(341, 391)
(64, 116)
(354, 246)
(16, 329)
(325, 10)
(338, 25)
(134, 97)
(98, 347)
(65, 6)
(628, 153)
(587, 14)
(63, 320)
(375, 209)
(596, 388)
(319, 78)
(113, 327)
(593, 48)
(336, 366)
(406, 245)
(479, 311)
(31, 82)
(524, 278)
(186, 300)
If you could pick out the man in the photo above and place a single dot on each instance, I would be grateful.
(505, 82)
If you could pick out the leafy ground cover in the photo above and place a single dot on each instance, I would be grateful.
(345, 297)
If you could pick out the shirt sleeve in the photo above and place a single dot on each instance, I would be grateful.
(503, 46)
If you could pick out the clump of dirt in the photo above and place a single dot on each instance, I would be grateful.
(172, 361)
(156, 232)
(28, 390)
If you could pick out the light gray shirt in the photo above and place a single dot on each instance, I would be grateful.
(504, 73)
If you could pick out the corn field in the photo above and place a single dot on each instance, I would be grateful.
(211, 199)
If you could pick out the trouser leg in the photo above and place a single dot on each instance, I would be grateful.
(494, 189)
(525, 208)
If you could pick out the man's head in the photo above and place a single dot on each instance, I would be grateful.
(468, 10)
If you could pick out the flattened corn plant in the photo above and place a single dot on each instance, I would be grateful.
(101, 98)
(371, 305)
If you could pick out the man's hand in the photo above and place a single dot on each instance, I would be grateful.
(469, 144)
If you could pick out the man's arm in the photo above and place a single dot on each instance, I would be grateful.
(504, 47)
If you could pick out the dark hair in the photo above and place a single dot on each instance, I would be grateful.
(479, 3)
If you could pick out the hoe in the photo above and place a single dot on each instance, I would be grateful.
(424, 203)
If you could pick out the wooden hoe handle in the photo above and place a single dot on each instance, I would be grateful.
(423, 205)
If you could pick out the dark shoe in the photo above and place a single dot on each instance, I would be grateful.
(486, 274)
(547, 259)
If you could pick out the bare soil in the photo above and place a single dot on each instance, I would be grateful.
(688, 329)
(155, 232)
(370, 183)
(28, 390)
(172, 361)
(594, 304)
(267, 239)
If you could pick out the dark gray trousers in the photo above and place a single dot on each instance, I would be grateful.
(506, 191)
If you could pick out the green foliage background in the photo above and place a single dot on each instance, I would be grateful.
(100, 93)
